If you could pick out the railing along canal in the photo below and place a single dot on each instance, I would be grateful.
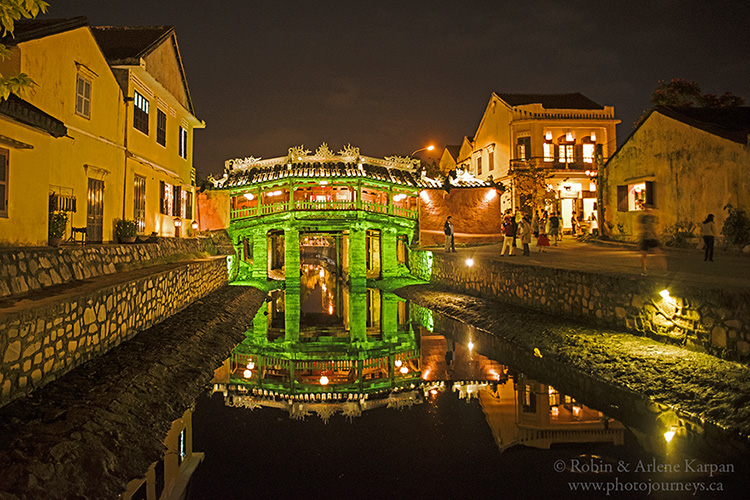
(322, 206)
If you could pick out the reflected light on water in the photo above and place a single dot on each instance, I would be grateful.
(247, 373)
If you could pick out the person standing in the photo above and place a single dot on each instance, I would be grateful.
(508, 234)
(573, 224)
(554, 227)
(708, 231)
(524, 229)
(450, 243)
(535, 224)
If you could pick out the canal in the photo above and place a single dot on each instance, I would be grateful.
(343, 393)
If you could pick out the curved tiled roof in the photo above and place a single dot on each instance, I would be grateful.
(551, 101)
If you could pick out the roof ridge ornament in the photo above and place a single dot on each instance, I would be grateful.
(350, 151)
(325, 153)
(240, 163)
(296, 153)
(406, 161)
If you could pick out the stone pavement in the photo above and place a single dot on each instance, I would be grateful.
(730, 270)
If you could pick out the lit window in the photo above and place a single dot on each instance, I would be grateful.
(588, 153)
(635, 196)
(183, 142)
(139, 206)
(549, 151)
(165, 202)
(479, 165)
(524, 148)
(566, 153)
(161, 127)
(140, 112)
(83, 96)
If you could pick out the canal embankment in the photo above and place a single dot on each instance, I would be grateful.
(89, 432)
(650, 386)
(99, 297)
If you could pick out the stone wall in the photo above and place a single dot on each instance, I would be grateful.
(27, 269)
(710, 320)
(41, 343)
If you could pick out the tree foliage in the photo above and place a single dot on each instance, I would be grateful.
(10, 12)
(683, 93)
(532, 185)
(736, 228)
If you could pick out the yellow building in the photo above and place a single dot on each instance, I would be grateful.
(70, 145)
(79, 171)
(159, 177)
(563, 134)
(685, 163)
(448, 159)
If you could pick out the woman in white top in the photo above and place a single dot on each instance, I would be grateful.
(708, 231)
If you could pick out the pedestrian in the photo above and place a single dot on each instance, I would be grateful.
(542, 240)
(573, 224)
(554, 227)
(535, 224)
(647, 236)
(450, 243)
(524, 230)
(708, 231)
(508, 235)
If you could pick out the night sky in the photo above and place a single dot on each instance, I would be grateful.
(392, 77)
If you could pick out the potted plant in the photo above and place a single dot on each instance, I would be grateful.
(126, 230)
(58, 221)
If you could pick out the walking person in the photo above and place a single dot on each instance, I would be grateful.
(450, 243)
(535, 224)
(554, 227)
(542, 240)
(647, 236)
(524, 230)
(708, 231)
(508, 235)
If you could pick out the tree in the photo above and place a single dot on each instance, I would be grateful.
(532, 185)
(10, 12)
(679, 92)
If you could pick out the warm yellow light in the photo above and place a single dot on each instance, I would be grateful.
(249, 196)
(430, 147)
(491, 195)
(664, 294)
(330, 309)
(593, 136)
(469, 262)
(323, 183)
(323, 380)
(548, 136)
(669, 435)
(247, 373)
(250, 365)
(398, 363)
(194, 225)
(471, 345)
(404, 370)
(426, 373)
(433, 391)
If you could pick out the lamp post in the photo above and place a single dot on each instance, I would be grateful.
(428, 148)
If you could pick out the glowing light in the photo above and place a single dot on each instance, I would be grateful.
(330, 309)
(249, 196)
(430, 147)
(576, 411)
(664, 294)
(194, 225)
(491, 195)
(399, 197)
(250, 365)
(426, 373)
(669, 435)
(398, 363)
(247, 373)
(177, 222)
(425, 197)
(323, 380)
(470, 262)
(593, 136)
(404, 370)
(323, 183)
(554, 411)
(433, 391)
(471, 345)
(570, 137)
(548, 136)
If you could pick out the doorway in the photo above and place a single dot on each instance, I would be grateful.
(95, 211)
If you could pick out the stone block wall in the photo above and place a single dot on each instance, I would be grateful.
(39, 344)
(710, 320)
(27, 269)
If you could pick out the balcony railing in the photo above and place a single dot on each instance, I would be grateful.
(304, 205)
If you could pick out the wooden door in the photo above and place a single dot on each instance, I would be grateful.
(95, 211)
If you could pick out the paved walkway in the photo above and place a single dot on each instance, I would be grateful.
(730, 270)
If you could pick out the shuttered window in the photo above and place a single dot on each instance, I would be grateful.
(622, 198)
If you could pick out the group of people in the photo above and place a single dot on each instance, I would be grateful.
(543, 227)
(648, 240)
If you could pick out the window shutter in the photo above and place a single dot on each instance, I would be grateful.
(650, 194)
(161, 197)
(622, 198)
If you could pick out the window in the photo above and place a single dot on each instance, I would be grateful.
(139, 207)
(4, 182)
(491, 160)
(165, 202)
(635, 196)
(479, 165)
(566, 153)
(140, 112)
(183, 142)
(549, 151)
(83, 96)
(588, 153)
(188, 204)
(161, 127)
(523, 148)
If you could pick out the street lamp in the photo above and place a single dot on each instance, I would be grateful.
(428, 148)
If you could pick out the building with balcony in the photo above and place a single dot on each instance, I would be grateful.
(682, 162)
(557, 140)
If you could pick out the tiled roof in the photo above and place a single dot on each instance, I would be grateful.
(33, 29)
(729, 123)
(453, 150)
(127, 44)
(334, 170)
(24, 112)
(551, 101)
